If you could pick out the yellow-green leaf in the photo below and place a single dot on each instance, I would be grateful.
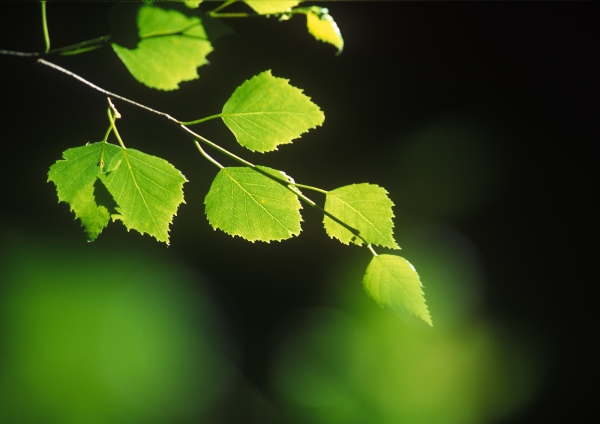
(192, 4)
(367, 209)
(171, 48)
(74, 178)
(244, 202)
(147, 189)
(267, 111)
(393, 282)
(322, 26)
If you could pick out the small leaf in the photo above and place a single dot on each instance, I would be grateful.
(147, 189)
(192, 4)
(74, 178)
(244, 202)
(171, 48)
(270, 7)
(266, 111)
(393, 282)
(322, 26)
(364, 207)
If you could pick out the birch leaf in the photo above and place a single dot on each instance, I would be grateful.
(171, 48)
(266, 111)
(74, 177)
(393, 282)
(244, 202)
(148, 191)
(322, 26)
(367, 209)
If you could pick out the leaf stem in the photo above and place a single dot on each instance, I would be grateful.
(207, 156)
(197, 121)
(221, 6)
(83, 46)
(219, 148)
(45, 26)
(215, 12)
(232, 15)
(311, 188)
(111, 118)
(108, 131)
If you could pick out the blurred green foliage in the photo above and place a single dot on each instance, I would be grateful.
(357, 363)
(103, 335)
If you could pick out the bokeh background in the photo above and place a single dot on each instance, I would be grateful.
(477, 118)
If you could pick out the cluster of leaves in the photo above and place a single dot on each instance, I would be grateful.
(251, 201)
(170, 46)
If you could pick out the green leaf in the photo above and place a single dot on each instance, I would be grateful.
(270, 7)
(74, 178)
(172, 47)
(266, 111)
(192, 4)
(244, 202)
(147, 189)
(393, 282)
(322, 26)
(364, 207)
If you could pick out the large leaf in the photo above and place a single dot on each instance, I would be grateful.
(322, 26)
(267, 111)
(269, 7)
(74, 178)
(147, 189)
(367, 209)
(171, 48)
(244, 202)
(393, 282)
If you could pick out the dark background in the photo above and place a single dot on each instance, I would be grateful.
(527, 70)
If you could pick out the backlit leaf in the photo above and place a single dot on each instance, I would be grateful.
(74, 178)
(147, 189)
(269, 7)
(192, 4)
(367, 209)
(244, 202)
(171, 48)
(393, 282)
(322, 26)
(266, 111)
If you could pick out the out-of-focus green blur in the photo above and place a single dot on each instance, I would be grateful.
(357, 363)
(99, 335)
(360, 364)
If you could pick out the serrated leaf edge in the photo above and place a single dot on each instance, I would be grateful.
(427, 317)
(358, 237)
(300, 91)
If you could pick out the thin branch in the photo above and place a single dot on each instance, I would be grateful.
(21, 54)
(106, 92)
(371, 249)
